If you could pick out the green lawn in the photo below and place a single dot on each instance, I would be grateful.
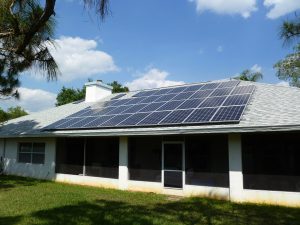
(29, 201)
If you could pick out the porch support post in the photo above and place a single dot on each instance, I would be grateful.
(235, 167)
(123, 163)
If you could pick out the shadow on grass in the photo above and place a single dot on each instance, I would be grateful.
(10, 220)
(8, 182)
(188, 212)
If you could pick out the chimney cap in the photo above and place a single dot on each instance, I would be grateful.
(98, 83)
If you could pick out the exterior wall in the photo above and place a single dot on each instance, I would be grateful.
(87, 180)
(41, 171)
(235, 193)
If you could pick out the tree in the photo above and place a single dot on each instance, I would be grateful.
(15, 112)
(249, 75)
(12, 113)
(289, 68)
(68, 95)
(24, 43)
(26, 30)
(118, 88)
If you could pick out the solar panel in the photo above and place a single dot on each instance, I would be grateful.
(202, 115)
(133, 119)
(221, 92)
(237, 100)
(177, 90)
(115, 120)
(210, 86)
(243, 90)
(183, 95)
(185, 105)
(231, 83)
(231, 113)
(191, 103)
(97, 122)
(202, 94)
(150, 99)
(154, 118)
(118, 110)
(193, 88)
(170, 105)
(163, 91)
(213, 102)
(82, 122)
(176, 117)
(152, 107)
(134, 101)
(134, 108)
(165, 98)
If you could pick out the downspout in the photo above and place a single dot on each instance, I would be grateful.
(84, 157)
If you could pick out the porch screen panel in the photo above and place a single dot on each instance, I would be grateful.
(145, 159)
(207, 160)
(69, 155)
(102, 157)
(271, 162)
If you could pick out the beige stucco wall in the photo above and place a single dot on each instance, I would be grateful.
(41, 171)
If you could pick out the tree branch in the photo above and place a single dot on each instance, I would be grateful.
(48, 12)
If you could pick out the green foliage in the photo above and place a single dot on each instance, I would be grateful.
(24, 42)
(12, 113)
(288, 69)
(68, 95)
(30, 201)
(249, 75)
(118, 88)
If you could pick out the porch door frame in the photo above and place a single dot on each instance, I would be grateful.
(182, 143)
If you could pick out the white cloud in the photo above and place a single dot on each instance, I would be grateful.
(79, 58)
(281, 7)
(283, 83)
(152, 78)
(220, 49)
(256, 68)
(32, 100)
(229, 7)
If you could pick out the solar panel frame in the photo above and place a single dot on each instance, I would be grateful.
(176, 116)
(165, 98)
(171, 105)
(183, 96)
(154, 118)
(229, 113)
(237, 100)
(118, 96)
(191, 103)
(133, 119)
(207, 104)
(152, 107)
(201, 115)
(212, 102)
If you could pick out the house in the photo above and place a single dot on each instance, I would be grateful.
(232, 140)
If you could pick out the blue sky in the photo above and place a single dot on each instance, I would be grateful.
(146, 44)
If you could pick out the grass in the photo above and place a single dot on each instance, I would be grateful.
(30, 201)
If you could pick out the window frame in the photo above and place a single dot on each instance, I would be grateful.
(32, 152)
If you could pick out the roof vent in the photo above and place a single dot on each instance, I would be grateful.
(97, 90)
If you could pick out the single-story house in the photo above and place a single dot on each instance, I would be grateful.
(232, 140)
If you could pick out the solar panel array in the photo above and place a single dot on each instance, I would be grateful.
(217, 102)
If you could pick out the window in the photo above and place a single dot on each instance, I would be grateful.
(271, 161)
(31, 153)
(102, 157)
(145, 159)
(207, 160)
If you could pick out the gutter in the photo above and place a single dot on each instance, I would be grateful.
(151, 131)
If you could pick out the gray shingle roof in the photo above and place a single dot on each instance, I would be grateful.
(271, 108)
